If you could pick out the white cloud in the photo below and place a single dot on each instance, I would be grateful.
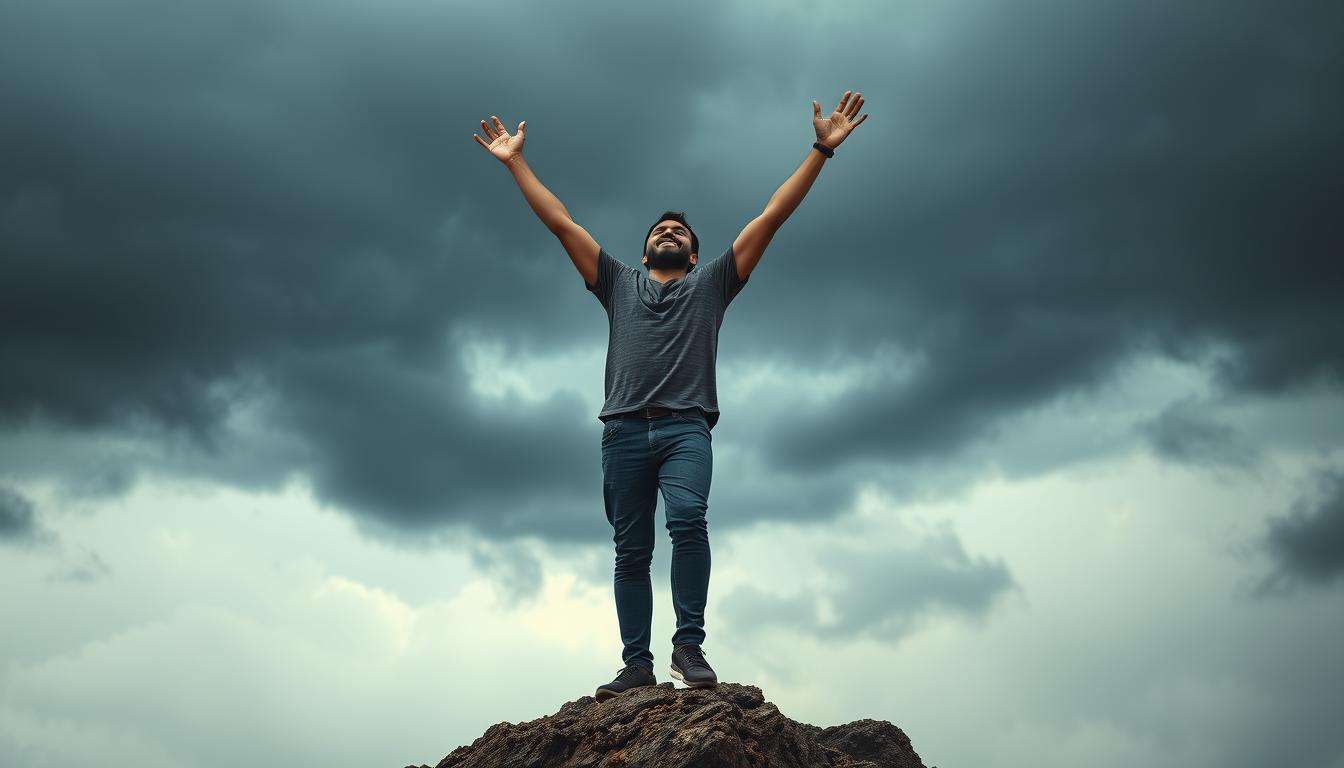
(498, 373)
(237, 629)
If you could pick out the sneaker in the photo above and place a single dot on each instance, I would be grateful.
(632, 676)
(689, 666)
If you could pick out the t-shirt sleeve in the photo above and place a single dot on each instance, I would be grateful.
(723, 271)
(608, 272)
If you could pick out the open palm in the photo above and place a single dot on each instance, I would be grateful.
(502, 145)
(836, 128)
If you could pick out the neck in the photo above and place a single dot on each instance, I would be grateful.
(663, 275)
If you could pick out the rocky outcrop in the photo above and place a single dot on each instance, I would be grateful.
(662, 726)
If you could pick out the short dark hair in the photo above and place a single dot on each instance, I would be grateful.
(678, 216)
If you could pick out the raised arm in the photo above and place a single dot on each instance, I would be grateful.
(580, 246)
(831, 132)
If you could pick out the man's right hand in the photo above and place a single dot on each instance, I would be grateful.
(502, 145)
(581, 246)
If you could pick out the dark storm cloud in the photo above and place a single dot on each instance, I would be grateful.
(1308, 543)
(882, 595)
(1080, 183)
(210, 199)
(204, 203)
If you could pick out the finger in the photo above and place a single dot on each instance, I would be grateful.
(855, 104)
(479, 141)
(502, 130)
(489, 132)
(816, 108)
(860, 120)
(521, 127)
(843, 99)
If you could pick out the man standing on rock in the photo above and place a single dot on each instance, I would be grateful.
(661, 400)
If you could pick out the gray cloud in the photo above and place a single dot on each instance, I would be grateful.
(883, 594)
(515, 571)
(1183, 432)
(18, 520)
(89, 568)
(1307, 544)
(204, 207)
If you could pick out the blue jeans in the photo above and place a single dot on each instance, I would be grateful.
(639, 457)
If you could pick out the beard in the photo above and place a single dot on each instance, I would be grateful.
(673, 259)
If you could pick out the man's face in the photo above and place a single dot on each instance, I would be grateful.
(669, 247)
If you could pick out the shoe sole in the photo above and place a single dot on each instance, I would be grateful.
(606, 693)
(694, 683)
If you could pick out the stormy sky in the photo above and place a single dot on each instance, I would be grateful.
(1030, 412)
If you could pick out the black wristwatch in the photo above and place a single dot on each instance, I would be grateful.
(823, 149)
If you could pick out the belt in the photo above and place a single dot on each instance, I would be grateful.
(653, 412)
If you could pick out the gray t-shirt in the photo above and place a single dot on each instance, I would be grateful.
(664, 337)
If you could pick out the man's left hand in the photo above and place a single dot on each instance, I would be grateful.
(833, 130)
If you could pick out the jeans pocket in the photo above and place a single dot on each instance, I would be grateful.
(694, 415)
(698, 418)
(610, 430)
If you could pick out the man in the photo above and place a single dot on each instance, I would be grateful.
(661, 399)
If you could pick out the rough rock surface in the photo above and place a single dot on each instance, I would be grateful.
(662, 726)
